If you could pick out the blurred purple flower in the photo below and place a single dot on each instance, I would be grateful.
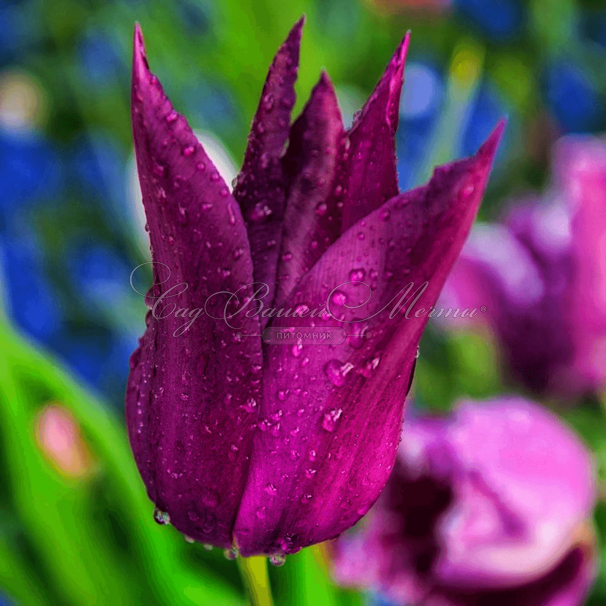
(490, 506)
(541, 278)
(265, 445)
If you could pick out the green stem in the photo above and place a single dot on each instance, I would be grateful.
(256, 580)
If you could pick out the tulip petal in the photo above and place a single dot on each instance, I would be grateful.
(500, 539)
(371, 174)
(489, 506)
(260, 187)
(312, 164)
(581, 162)
(331, 414)
(189, 403)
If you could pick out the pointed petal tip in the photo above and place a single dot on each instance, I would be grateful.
(402, 49)
(489, 147)
(294, 36)
(324, 82)
(138, 41)
(140, 63)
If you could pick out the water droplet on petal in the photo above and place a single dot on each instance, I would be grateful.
(277, 560)
(230, 554)
(268, 102)
(329, 422)
(260, 212)
(339, 298)
(357, 275)
(337, 372)
(160, 170)
(189, 539)
(189, 150)
(231, 213)
(161, 517)
(261, 513)
(370, 366)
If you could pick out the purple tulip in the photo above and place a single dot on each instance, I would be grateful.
(264, 443)
(488, 507)
(541, 277)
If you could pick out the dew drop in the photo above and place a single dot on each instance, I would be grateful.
(277, 560)
(161, 517)
(201, 166)
(230, 554)
(469, 189)
(357, 275)
(231, 213)
(337, 372)
(261, 513)
(339, 298)
(189, 539)
(159, 170)
(370, 366)
(268, 102)
(172, 116)
(189, 150)
(260, 212)
(329, 422)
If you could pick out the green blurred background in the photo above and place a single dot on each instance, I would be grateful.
(75, 524)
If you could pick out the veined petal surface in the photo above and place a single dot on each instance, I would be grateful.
(192, 393)
(331, 415)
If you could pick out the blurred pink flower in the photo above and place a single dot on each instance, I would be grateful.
(59, 438)
(487, 507)
(541, 276)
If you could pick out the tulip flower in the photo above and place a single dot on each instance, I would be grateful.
(490, 506)
(243, 437)
(540, 276)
